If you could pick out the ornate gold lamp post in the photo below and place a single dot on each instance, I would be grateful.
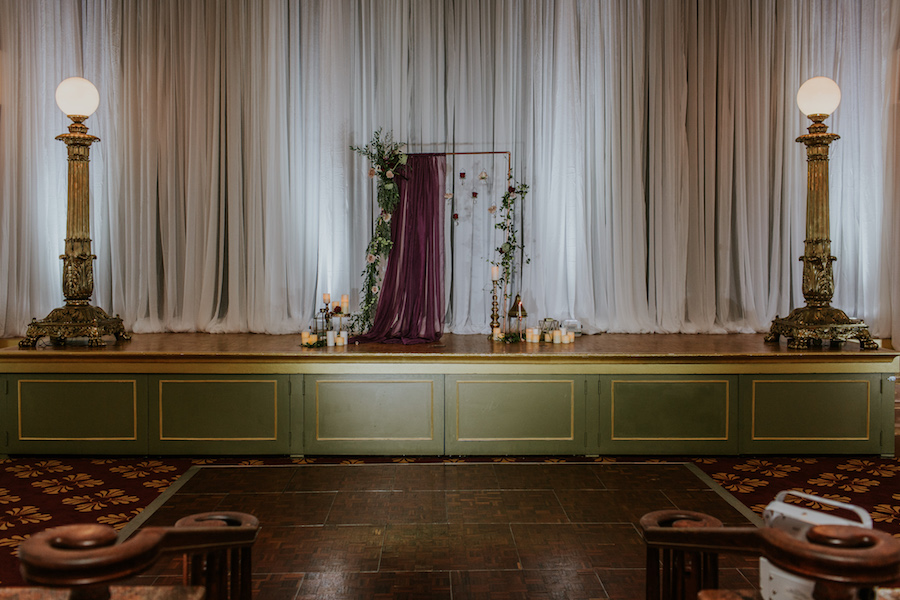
(818, 320)
(77, 98)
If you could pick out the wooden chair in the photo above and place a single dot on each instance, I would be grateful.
(683, 549)
(87, 558)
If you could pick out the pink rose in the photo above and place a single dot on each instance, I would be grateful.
(370, 258)
(389, 174)
(371, 172)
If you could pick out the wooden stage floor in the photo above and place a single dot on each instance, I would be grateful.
(607, 348)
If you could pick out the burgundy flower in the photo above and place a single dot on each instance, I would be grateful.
(455, 216)
(474, 194)
(462, 175)
(511, 189)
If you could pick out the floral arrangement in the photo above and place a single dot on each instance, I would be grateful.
(511, 243)
(387, 159)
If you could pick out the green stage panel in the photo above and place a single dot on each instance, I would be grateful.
(374, 414)
(515, 414)
(76, 414)
(220, 414)
(668, 415)
(827, 414)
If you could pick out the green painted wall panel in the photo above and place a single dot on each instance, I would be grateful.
(656, 410)
(218, 410)
(77, 410)
(836, 410)
(668, 415)
(373, 414)
(507, 410)
(71, 414)
(374, 410)
(514, 414)
(220, 414)
(826, 414)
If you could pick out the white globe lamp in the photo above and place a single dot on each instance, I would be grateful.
(819, 96)
(77, 96)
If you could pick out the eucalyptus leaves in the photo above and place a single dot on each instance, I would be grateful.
(511, 245)
(387, 159)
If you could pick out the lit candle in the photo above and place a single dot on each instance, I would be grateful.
(304, 337)
(548, 337)
(571, 337)
(496, 333)
(313, 338)
(345, 303)
(557, 336)
(326, 298)
(339, 340)
(495, 273)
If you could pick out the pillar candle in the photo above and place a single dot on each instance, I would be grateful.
(329, 338)
(495, 273)
(557, 336)
(345, 303)
(304, 337)
(496, 333)
(313, 338)
(326, 298)
(339, 340)
(548, 337)
(346, 336)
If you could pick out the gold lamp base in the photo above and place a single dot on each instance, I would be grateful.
(813, 325)
(73, 321)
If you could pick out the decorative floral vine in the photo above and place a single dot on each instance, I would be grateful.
(511, 243)
(387, 159)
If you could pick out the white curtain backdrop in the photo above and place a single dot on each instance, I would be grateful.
(657, 137)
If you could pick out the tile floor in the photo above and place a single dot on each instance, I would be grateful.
(455, 531)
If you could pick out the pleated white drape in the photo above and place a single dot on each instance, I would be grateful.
(667, 191)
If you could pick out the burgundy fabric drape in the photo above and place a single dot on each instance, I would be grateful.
(411, 305)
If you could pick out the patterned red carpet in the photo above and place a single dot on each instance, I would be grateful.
(37, 493)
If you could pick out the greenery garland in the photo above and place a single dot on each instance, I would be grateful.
(387, 159)
(511, 243)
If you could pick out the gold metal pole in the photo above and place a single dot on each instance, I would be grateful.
(77, 318)
(818, 321)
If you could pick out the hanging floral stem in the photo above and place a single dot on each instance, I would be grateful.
(387, 159)
(511, 244)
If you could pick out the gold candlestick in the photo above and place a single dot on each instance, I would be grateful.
(818, 320)
(77, 318)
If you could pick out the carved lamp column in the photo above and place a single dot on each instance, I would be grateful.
(78, 98)
(818, 320)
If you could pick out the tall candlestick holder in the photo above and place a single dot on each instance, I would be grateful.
(495, 310)
(818, 321)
